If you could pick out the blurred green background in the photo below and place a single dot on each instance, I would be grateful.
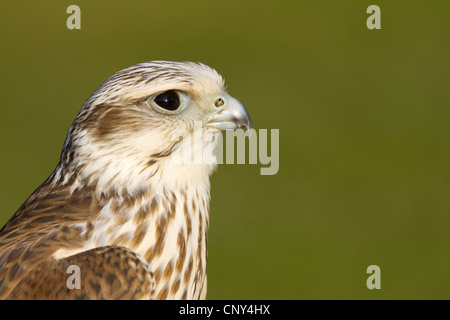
(363, 117)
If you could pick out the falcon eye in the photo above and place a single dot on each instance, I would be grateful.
(168, 100)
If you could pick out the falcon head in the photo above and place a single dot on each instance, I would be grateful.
(129, 129)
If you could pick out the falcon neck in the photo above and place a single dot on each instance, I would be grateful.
(167, 228)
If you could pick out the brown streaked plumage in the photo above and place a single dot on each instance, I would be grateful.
(118, 205)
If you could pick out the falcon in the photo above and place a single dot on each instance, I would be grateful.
(118, 206)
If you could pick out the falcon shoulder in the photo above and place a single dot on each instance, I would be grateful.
(43, 225)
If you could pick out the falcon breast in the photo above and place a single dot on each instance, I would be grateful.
(118, 206)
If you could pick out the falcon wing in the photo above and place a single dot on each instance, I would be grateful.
(104, 273)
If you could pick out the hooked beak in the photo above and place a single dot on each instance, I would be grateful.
(232, 115)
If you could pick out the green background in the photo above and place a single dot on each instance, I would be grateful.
(363, 118)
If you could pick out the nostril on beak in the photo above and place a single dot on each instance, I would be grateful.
(219, 102)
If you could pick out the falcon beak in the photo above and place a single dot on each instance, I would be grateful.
(231, 115)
